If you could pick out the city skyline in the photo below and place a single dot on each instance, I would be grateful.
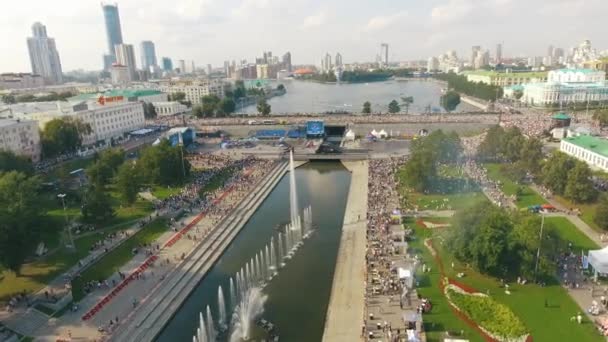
(186, 28)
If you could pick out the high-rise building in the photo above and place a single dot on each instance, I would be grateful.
(113, 32)
(227, 67)
(498, 53)
(287, 61)
(384, 53)
(182, 66)
(338, 60)
(432, 64)
(327, 65)
(209, 69)
(43, 55)
(475, 50)
(148, 54)
(167, 64)
(550, 51)
(125, 55)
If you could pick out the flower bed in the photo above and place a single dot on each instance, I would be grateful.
(496, 319)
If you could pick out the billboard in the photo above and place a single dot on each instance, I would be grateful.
(315, 128)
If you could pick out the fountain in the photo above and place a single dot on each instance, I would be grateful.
(221, 305)
(246, 312)
(210, 329)
(293, 196)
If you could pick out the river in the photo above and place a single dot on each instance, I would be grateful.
(313, 97)
(299, 295)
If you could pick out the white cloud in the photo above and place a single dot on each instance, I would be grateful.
(315, 20)
(454, 10)
(567, 8)
(248, 6)
(382, 22)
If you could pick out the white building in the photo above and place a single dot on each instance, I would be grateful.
(567, 86)
(262, 71)
(109, 117)
(20, 137)
(43, 55)
(169, 108)
(432, 64)
(125, 55)
(592, 150)
(120, 74)
(195, 89)
(505, 79)
(20, 81)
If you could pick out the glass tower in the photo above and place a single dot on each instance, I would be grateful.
(113, 31)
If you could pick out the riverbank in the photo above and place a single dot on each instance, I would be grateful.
(346, 305)
(152, 315)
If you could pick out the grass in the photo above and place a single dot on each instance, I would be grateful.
(509, 187)
(164, 192)
(118, 257)
(568, 232)
(587, 211)
(551, 323)
(216, 181)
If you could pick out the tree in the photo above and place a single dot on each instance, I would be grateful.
(226, 106)
(555, 172)
(113, 158)
(163, 164)
(393, 107)
(239, 89)
(210, 104)
(21, 221)
(367, 108)
(178, 96)
(407, 101)
(281, 88)
(63, 135)
(601, 213)
(99, 174)
(9, 161)
(149, 111)
(8, 98)
(25, 98)
(263, 107)
(518, 94)
(579, 187)
(601, 116)
(128, 182)
(531, 155)
(97, 206)
(198, 111)
(450, 100)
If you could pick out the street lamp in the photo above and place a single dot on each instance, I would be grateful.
(540, 241)
(65, 215)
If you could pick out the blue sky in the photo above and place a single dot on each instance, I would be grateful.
(211, 31)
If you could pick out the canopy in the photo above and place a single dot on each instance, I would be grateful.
(383, 134)
(350, 135)
(598, 259)
(374, 133)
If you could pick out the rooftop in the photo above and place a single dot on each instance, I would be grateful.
(561, 116)
(10, 122)
(127, 93)
(584, 71)
(525, 74)
(591, 143)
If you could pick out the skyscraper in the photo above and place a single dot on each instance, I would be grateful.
(338, 60)
(498, 53)
(287, 61)
(384, 53)
(327, 66)
(125, 55)
(167, 64)
(475, 50)
(182, 66)
(209, 69)
(113, 32)
(43, 55)
(148, 54)
(550, 51)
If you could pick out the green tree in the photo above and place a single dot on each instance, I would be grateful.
(99, 174)
(9, 161)
(8, 99)
(226, 106)
(407, 101)
(367, 108)
(163, 164)
(113, 158)
(263, 107)
(63, 135)
(460, 84)
(518, 94)
(239, 89)
(178, 96)
(97, 208)
(281, 87)
(393, 107)
(210, 105)
(149, 111)
(25, 98)
(128, 182)
(555, 172)
(531, 155)
(198, 111)
(21, 221)
(450, 100)
(601, 213)
(579, 187)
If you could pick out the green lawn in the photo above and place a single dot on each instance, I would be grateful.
(529, 196)
(587, 211)
(163, 192)
(118, 257)
(449, 201)
(568, 232)
(550, 323)
(441, 318)
(217, 181)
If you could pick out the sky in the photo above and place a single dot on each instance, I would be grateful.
(211, 31)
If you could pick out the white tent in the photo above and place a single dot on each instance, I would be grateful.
(598, 259)
(350, 135)
(383, 134)
(374, 133)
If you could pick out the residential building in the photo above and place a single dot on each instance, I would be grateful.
(125, 55)
(167, 64)
(148, 55)
(21, 137)
(169, 108)
(482, 59)
(262, 71)
(109, 117)
(194, 89)
(120, 74)
(597, 64)
(209, 69)
(505, 79)
(498, 57)
(287, 62)
(449, 62)
(475, 50)
(20, 81)
(113, 33)
(44, 57)
(432, 64)
(592, 150)
(583, 53)
(384, 54)
(567, 86)
(326, 65)
(338, 60)
(181, 64)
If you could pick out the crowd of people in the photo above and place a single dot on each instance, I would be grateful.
(382, 277)
(490, 187)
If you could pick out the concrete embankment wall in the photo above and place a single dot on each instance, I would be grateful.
(152, 316)
(347, 302)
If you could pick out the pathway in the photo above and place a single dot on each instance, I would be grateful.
(346, 305)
